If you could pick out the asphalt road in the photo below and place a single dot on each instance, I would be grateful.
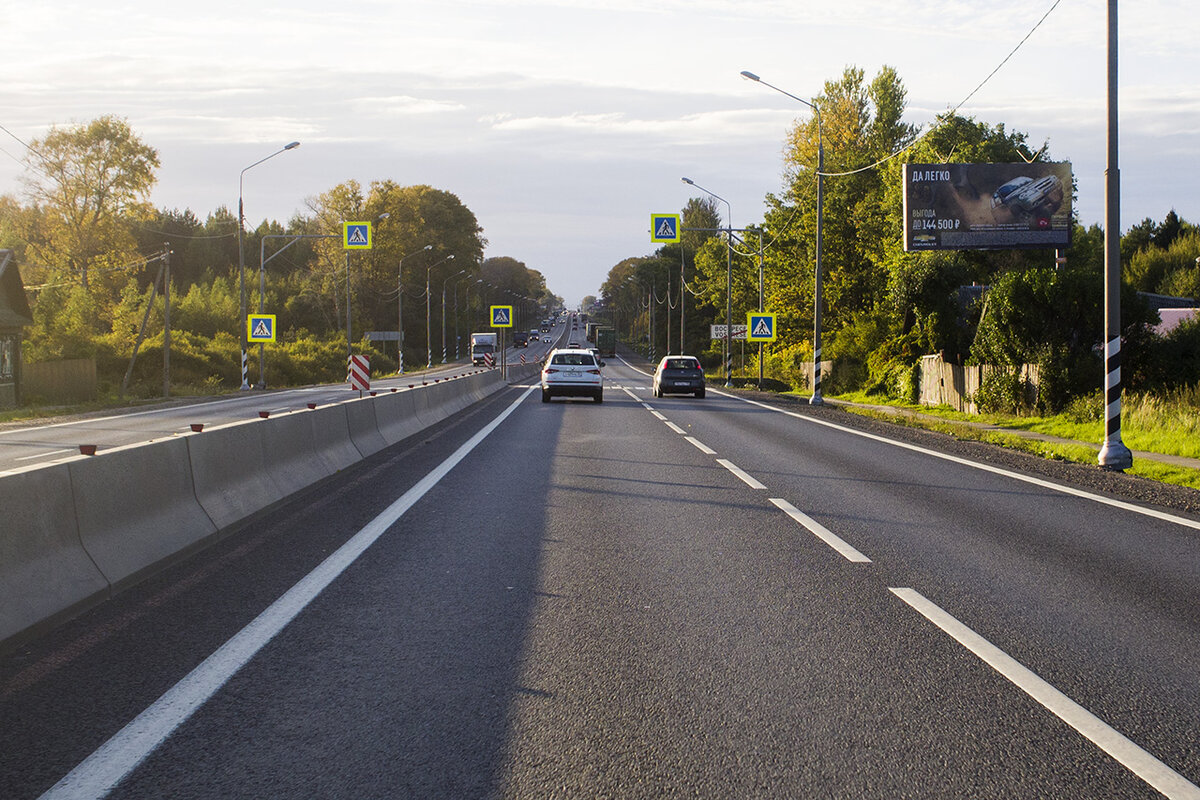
(35, 443)
(645, 598)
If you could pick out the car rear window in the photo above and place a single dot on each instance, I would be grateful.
(573, 360)
(680, 363)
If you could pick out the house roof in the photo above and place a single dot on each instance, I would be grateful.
(14, 306)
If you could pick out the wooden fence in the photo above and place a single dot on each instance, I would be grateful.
(953, 385)
(70, 381)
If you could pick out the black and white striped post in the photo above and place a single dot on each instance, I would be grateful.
(1114, 455)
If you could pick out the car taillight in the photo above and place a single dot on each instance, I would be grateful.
(548, 370)
(593, 372)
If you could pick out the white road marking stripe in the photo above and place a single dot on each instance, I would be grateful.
(43, 455)
(100, 772)
(1149, 512)
(821, 532)
(660, 416)
(701, 446)
(1134, 758)
(675, 427)
(746, 477)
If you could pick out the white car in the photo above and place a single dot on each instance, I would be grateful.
(572, 373)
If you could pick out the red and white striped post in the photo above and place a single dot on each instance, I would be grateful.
(359, 374)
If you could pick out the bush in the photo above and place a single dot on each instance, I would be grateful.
(1002, 391)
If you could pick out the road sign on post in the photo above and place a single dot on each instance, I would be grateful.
(360, 373)
(356, 236)
(502, 316)
(738, 333)
(760, 327)
(260, 328)
(664, 228)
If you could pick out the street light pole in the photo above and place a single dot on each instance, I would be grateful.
(242, 261)
(444, 282)
(428, 326)
(728, 281)
(816, 399)
(400, 308)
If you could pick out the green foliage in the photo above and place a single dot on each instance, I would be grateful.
(789, 364)
(1167, 270)
(87, 183)
(1002, 391)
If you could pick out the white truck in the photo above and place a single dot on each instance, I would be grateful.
(482, 344)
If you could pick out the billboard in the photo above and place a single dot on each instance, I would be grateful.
(986, 206)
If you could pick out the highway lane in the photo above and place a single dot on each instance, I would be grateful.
(602, 601)
(30, 445)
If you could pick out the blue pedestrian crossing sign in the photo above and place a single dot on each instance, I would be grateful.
(356, 236)
(760, 327)
(260, 328)
(664, 228)
(502, 316)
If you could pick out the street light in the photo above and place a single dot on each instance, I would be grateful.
(400, 306)
(816, 395)
(242, 259)
(428, 329)
(728, 281)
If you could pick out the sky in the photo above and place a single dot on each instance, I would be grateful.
(563, 124)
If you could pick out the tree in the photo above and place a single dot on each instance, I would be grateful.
(88, 183)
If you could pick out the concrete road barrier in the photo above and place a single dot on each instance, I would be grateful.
(44, 570)
(291, 455)
(396, 416)
(232, 476)
(76, 531)
(136, 507)
(331, 436)
(364, 429)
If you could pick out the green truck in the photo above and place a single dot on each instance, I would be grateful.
(606, 342)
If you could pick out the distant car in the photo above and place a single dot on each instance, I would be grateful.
(572, 373)
(679, 375)
(572, 345)
(596, 352)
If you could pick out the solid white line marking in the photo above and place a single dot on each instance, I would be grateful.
(821, 532)
(701, 446)
(675, 427)
(1134, 758)
(42, 455)
(1149, 512)
(746, 477)
(100, 772)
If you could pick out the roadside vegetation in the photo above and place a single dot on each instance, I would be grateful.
(93, 253)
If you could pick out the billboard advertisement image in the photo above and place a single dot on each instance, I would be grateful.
(986, 206)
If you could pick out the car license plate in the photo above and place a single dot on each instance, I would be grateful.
(683, 383)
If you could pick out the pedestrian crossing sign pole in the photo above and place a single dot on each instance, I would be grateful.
(760, 327)
(260, 328)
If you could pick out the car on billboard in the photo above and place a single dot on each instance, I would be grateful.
(1027, 199)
